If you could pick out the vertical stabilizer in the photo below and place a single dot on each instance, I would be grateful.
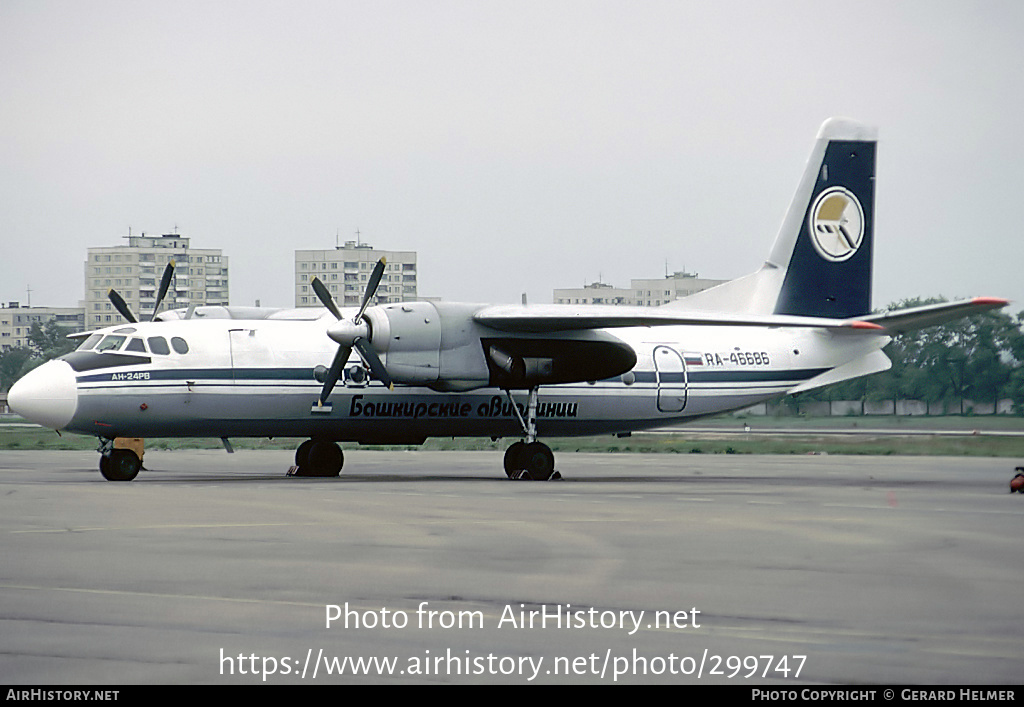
(826, 241)
(820, 263)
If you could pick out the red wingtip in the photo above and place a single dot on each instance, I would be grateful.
(865, 325)
(996, 301)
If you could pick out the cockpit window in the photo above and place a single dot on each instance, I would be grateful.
(158, 345)
(135, 345)
(179, 345)
(111, 343)
(90, 342)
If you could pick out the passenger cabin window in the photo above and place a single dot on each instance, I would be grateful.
(135, 345)
(111, 343)
(179, 345)
(158, 345)
(90, 342)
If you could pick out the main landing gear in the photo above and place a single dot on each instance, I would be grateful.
(529, 459)
(317, 457)
(526, 459)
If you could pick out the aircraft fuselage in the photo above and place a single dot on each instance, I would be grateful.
(228, 378)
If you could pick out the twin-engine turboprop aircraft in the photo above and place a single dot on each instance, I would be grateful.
(440, 369)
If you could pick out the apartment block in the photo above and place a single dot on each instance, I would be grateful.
(641, 292)
(346, 269)
(134, 270)
(16, 322)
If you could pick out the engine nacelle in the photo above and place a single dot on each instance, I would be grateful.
(439, 345)
(408, 338)
(542, 360)
(431, 344)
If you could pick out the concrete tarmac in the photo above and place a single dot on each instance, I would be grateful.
(699, 569)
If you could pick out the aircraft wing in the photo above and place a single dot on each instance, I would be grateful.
(904, 320)
(551, 318)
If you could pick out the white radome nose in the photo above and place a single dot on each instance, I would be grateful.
(47, 395)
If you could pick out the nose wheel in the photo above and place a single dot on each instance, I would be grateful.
(120, 465)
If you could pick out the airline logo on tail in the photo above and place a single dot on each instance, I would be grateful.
(836, 223)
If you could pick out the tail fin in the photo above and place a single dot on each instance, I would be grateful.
(826, 239)
(820, 264)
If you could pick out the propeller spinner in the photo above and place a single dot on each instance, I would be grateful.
(352, 334)
(121, 306)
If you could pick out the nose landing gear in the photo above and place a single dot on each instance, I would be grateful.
(120, 459)
(530, 461)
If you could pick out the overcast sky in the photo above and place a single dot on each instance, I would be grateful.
(517, 146)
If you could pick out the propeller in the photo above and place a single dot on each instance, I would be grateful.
(352, 334)
(121, 306)
(165, 282)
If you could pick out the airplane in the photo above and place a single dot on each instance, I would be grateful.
(403, 372)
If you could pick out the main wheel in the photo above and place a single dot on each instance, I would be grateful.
(538, 459)
(121, 465)
(324, 459)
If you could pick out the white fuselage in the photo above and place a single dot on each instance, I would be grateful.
(256, 378)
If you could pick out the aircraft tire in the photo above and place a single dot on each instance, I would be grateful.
(538, 459)
(514, 458)
(121, 465)
(324, 459)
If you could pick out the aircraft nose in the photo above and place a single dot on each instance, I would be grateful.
(47, 395)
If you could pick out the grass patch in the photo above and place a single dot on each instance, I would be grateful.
(29, 438)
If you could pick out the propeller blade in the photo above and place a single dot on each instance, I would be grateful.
(325, 297)
(346, 331)
(371, 286)
(337, 365)
(165, 282)
(372, 360)
(121, 306)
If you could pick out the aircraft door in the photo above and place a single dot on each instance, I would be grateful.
(249, 353)
(670, 369)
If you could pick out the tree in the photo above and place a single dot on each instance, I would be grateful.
(14, 364)
(980, 357)
(49, 340)
(46, 341)
(972, 358)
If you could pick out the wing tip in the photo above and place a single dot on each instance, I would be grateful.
(990, 301)
(869, 326)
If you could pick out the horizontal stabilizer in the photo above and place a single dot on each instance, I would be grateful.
(874, 362)
(904, 320)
